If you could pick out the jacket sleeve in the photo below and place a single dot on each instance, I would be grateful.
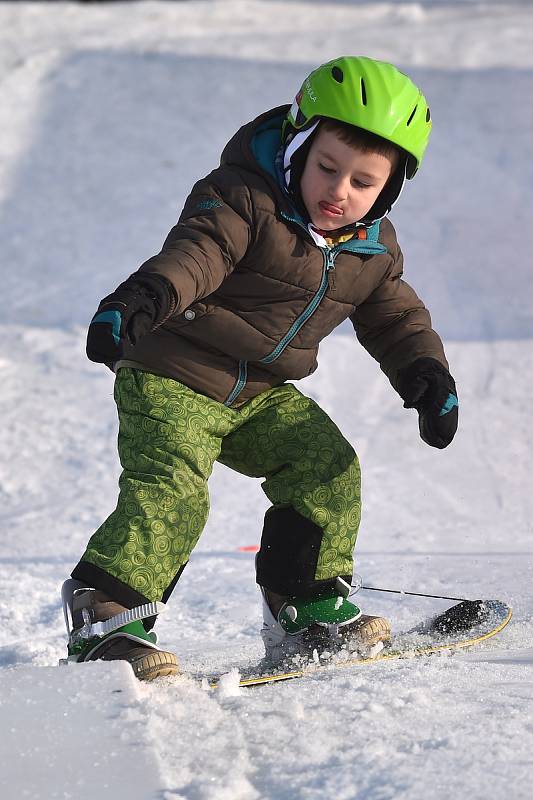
(210, 238)
(394, 325)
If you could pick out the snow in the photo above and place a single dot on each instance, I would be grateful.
(108, 114)
(228, 684)
(47, 715)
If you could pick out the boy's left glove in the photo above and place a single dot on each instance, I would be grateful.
(428, 386)
(139, 305)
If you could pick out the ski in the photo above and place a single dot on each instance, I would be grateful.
(464, 625)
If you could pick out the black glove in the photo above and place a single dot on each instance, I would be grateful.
(428, 386)
(139, 305)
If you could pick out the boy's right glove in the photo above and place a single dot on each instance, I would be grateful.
(139, 305)
(428, 386)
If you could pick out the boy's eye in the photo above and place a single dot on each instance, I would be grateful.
(355, 181)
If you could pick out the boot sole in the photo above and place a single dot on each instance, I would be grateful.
(146, 662)
(373, 630)
(155, 665)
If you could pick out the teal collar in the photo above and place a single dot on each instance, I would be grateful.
(266, 143)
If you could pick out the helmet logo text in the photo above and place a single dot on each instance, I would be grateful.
(309, 90)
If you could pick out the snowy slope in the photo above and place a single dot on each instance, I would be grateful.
(108, 114)
(62, 739)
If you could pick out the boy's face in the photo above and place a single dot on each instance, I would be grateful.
(340, 184)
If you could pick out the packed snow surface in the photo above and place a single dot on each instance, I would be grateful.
(108, 114)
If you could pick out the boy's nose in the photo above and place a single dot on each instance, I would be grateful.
(338, 189)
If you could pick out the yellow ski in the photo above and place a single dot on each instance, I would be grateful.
(464, 625)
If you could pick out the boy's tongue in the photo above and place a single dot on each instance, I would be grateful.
(330, 209)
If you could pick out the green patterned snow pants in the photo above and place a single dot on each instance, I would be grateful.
(169, 438)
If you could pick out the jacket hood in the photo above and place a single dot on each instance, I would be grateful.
(254, 147)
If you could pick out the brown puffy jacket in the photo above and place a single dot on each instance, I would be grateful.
(256, 295)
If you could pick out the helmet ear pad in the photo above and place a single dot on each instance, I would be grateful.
(298, 161)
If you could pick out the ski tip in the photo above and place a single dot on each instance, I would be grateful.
(465, 615)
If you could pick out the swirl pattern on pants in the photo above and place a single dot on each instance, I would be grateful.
(169, 438)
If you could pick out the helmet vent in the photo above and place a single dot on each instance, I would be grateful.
(428, 116)
(363, 92)
(337, 74)
(413, 112)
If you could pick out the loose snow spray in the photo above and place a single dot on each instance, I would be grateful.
(228, 684)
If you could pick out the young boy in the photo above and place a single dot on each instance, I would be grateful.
(276, 247)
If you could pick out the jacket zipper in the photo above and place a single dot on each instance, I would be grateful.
(329, 259)
(329, 264)
(239, 384)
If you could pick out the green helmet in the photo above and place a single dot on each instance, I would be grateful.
(369, 94)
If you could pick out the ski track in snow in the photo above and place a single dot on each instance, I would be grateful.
(109, 113)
